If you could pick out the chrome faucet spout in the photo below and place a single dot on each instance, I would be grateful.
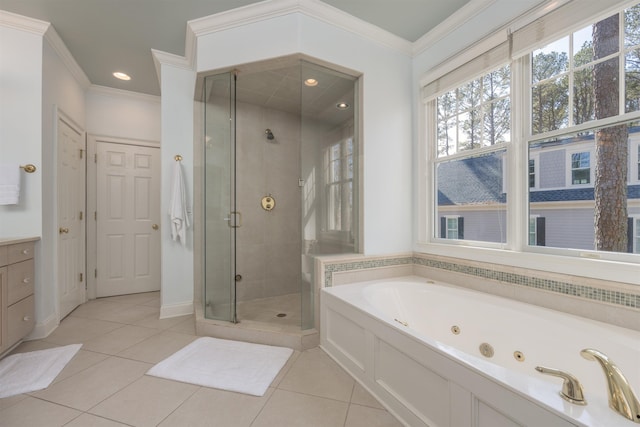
(622, 399)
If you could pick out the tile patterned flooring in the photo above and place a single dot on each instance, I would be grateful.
(122, 337)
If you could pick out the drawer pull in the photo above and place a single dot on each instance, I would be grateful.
(26, 318)
(26, 280)
(25, 252)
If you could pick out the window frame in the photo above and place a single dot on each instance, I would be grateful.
(516, 251)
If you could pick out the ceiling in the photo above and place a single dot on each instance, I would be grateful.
(118, 35)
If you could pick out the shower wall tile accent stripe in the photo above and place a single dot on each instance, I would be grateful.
(626, 299)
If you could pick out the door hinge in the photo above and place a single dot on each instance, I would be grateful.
(95, 273)
(95, 158)
(81, 152)
(81, 277)
(95, 215)
(80, 216)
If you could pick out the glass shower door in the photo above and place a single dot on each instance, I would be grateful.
(221, 217)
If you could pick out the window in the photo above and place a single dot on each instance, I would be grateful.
(339, 186)
(452, 227)
(473, 126)
(476, 114)
(634, 241)
(532, 173)
(536, 230)
(581, 168)
(576, 134)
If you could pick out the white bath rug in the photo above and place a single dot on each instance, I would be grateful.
(35, 370)
(224, 364)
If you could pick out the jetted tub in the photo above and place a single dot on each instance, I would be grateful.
(418, 347)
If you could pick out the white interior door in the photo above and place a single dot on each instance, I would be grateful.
(128, 217)
(71, 205)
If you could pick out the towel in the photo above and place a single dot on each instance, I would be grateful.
(9, 184)
(178, 207)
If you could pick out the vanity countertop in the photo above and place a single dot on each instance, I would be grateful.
(13, 240)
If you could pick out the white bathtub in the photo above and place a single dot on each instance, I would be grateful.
(395, 337)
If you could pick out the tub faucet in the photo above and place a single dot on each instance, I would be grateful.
(571, 388)
(621, 397)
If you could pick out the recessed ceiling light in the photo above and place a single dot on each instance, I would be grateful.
(121, 76)
(342, 105)
(311, 82)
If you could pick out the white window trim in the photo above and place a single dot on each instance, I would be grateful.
(636, 232)
(600, 265)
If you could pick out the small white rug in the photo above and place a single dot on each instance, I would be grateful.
(35, 370)
(229, 365)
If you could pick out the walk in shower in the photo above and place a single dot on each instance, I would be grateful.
(280, 185)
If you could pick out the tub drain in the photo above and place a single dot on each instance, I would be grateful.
(281, 315)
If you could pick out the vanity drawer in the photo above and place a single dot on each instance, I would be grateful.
(20, 252)
(20, 320)
(20, 281)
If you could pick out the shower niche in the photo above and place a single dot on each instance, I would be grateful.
(280, 182)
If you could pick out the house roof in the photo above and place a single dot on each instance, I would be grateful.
(478, 181)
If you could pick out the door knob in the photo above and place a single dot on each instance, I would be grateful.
(155, 226)
(63, 230)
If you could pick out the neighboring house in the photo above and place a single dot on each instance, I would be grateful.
(472, 195)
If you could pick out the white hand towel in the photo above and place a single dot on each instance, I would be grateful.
(9, 184)
(178, 206)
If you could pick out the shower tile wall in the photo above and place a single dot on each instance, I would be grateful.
(268, 242)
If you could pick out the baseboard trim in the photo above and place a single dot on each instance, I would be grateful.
(43, 329)
(175, 310)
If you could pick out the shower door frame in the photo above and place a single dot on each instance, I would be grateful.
(228, 214)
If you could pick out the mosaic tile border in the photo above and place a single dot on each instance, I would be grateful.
(624, 299)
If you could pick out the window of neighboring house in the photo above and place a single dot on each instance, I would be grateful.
(339, 186)
(537, 228)
(580, 168)
(532, 173)
(452, 227)
(634, 227)
(638, 161)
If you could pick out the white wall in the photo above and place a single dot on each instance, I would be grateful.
(177, 112)
(21, 126)
(122, 114)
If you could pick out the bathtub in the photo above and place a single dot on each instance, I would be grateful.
(415, 345)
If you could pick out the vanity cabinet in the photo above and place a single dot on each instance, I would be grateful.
(17, 274)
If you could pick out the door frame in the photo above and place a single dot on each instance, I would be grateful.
(92, 201)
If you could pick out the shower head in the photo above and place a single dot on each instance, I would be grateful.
(269, 134)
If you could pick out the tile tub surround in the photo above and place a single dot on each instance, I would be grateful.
(606, 301)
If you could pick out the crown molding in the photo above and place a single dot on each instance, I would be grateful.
(453, 22)
(121, 93)
(23, 23)
(161, 58)
(269, 9)
(68, 60)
